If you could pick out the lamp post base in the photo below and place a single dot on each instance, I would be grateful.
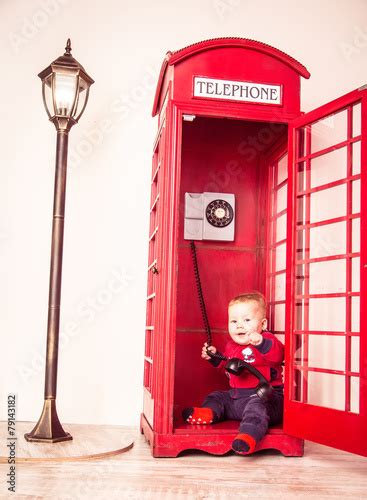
(48, 428)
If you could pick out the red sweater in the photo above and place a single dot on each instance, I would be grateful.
(266, 357)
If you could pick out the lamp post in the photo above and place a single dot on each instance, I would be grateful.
(65, 89)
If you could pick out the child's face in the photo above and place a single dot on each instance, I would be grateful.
(243, 318)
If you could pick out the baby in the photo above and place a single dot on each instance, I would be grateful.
(251, 342)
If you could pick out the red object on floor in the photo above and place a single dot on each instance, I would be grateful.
(229, 121)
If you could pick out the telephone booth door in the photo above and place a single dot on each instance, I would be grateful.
(326, 359)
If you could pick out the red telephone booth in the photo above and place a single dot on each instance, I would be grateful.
(230, 124)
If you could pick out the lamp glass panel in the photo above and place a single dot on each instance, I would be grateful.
(65, 90)
(47, 93)
(82, 98)
(84, 85)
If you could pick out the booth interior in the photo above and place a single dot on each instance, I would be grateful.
(248, 159)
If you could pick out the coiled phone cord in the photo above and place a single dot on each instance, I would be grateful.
(204, 314)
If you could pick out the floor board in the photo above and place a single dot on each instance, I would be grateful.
(323, 473)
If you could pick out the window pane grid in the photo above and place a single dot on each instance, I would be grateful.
(328, 258)
(150, 335)
(326, 332)
(302, 295)
(276, 238)
(278, 214)
(308, 225)
(329, 185)
(325, 151)
(305, 369)
(277, 243)
(325, 295)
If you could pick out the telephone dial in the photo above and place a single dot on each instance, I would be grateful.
(211, 216)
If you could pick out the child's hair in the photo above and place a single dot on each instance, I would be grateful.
(250, 296)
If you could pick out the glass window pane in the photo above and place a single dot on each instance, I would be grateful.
(302, 138)
(300, 210)
(280, 257)
(282, 198)
(356, 196)
(357, 120)
(356, 158)
(354, 362)
(323, 204)
(48, 96)
(326, 351)
(300, 308)
(282, 169)
(300, 280)
(327, 314)
(356, 235)
(354, 394)
(298, 350)
(329, 167)
(280, 337)
(356, 274)
(329, 239)
(328, 277)
(297, 389)
(281, 227)
(300, 243)
(279, 317)
(280, 287)
(355, 314)
(327, 390)
(329, 131)
(301, 176)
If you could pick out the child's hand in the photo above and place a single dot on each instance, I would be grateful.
(204, 354)
(255, 338)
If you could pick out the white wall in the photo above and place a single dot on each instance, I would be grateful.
(121, 44)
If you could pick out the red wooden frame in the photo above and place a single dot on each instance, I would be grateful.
(261, 63)
(245, 60)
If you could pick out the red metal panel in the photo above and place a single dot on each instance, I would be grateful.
(164, 338)
(194, 377)
(245, 66)
(262, 56)
(220, 279)
(345, 430)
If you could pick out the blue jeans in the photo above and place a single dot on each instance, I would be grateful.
(245, 405)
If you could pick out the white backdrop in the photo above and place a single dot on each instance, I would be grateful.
(121, 45)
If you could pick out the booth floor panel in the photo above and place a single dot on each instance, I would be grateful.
(215, 439)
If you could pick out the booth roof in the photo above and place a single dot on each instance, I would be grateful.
(181, 54)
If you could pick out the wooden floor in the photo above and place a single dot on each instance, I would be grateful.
(323, 473)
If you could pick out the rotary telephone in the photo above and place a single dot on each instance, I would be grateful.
(211, 216)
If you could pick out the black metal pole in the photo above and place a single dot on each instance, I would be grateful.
(48, 427)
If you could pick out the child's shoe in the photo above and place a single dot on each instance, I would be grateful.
(243, 444)
(196, 415)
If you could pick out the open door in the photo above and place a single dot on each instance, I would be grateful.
(326, 351)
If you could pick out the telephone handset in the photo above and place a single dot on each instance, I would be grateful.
(219, 213)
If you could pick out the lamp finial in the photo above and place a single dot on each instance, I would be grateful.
(68, 48)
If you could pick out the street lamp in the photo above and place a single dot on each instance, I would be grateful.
(65, 89)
